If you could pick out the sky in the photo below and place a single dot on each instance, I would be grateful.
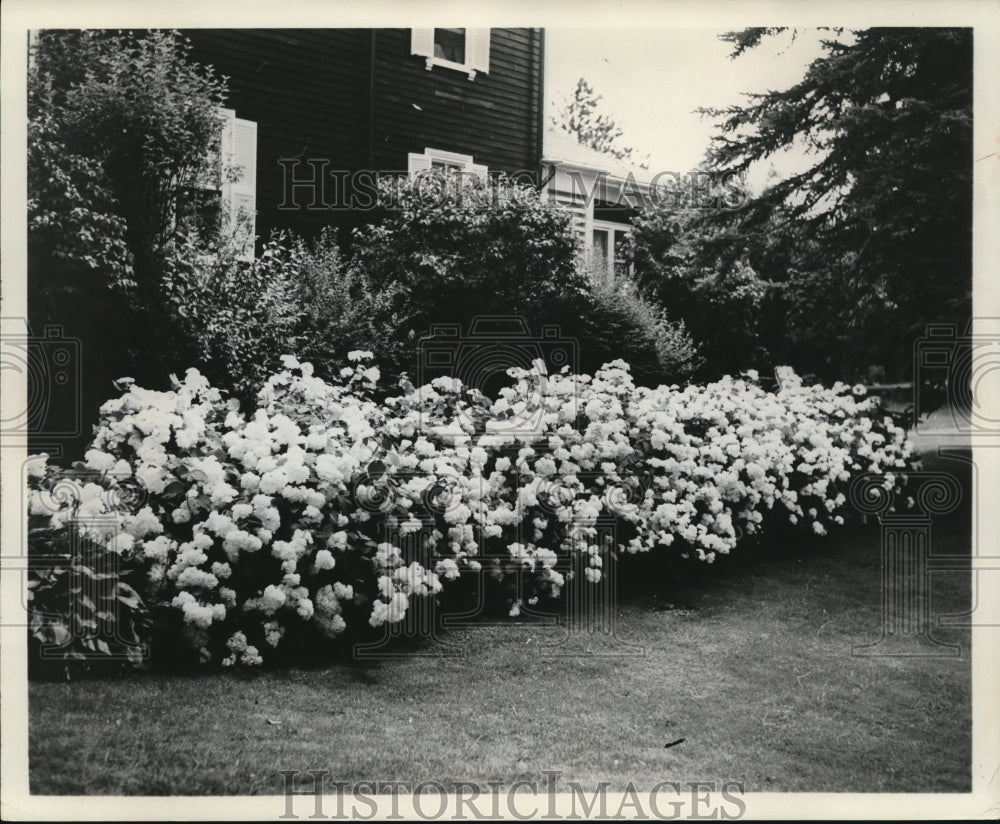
(652, 81)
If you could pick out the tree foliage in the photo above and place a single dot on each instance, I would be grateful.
(872, 241)
(581, 118)
(716, 290)
(452, 249)
(123, 132)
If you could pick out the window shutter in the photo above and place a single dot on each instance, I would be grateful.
(417, 163)
(478, 44)
(220, 156)
(422, 42)
(241, 194)
(226, 143)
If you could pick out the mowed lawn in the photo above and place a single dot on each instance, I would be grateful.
(751, 665)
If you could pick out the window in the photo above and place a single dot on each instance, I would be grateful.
(440, 159)
(606, 244)
(466, 50)
(449, 44)
(600, 247)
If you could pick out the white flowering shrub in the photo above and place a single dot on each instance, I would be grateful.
(323, 507)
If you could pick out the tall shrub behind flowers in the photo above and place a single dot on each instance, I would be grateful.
(324, 507)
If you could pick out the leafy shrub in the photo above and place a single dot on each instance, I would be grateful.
(326, 507)
(234, 316)
(344, 310)
(623, 323)
(82, 610)
(455, 248)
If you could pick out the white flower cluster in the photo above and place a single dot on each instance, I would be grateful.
(325, 505)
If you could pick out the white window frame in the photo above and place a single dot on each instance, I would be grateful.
(417, 163)
(477, 51)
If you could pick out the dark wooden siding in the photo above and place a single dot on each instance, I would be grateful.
(313, 94)
(307, 90)
(493, 117)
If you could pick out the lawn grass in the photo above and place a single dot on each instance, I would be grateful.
(751, 665)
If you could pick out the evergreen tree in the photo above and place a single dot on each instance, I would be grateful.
(876, 235)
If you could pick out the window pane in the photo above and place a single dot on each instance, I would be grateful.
(600, 247)
(620, 243)
(449, 44)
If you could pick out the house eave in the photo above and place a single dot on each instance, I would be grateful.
(610, 177)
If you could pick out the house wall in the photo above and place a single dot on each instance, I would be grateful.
(572, 188)
(493, 117)
(307, 90)
(595, 200)
(356, 99)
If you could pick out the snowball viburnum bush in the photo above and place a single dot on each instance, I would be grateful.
(325, 506)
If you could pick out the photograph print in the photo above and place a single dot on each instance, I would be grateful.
(590, 418)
